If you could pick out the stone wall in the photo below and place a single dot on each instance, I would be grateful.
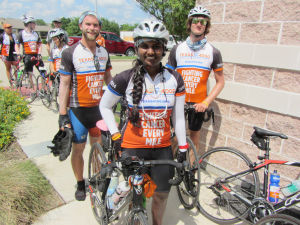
(263, 22)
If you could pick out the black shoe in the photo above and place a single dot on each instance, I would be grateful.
(80, 194)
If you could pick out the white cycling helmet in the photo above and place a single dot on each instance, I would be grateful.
(27, 19)
(151, 29)
(199, 11)
(57, 32)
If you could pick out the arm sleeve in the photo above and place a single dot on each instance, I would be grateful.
(107, 102)
(178, 120)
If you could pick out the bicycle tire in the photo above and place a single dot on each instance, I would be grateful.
(188, 199)
(54, 94)
(278, 219)
(43, 91)
(137, 218)
(214, 202)
(96, 158)
(26, 88)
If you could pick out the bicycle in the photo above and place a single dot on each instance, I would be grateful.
(44, 83)
(230, 186)
(278, 219)
(25, 83)
(100, 170)
(187, 189)
(54, 89)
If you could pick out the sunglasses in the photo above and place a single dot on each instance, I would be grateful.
(201, 20)
(96, 63)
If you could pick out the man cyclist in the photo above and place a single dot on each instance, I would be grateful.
(84, 68)
(194, 59)
(32, 46)
(50, 44)
(154, 95)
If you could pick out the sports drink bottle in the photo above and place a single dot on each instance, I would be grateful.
(274, 187)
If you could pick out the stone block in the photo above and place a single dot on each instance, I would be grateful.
(249, 115)
(258, 76)
(224, 32)
(221, 107)
(290, 34)
(228, 71)
(217, 12)
(260, 33)
(211, 138)
(250, 150)
(287, 125)
(281, 10)
(287, 80)
(224, 1)
(243, 11)
(291, 149)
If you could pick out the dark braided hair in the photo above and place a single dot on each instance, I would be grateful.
(137, 92)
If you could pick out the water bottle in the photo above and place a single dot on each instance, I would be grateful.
(19, 74)
(114, 181)
(121, 191)
(274, 187)
(292, 188)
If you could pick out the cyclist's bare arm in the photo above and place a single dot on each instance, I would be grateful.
(64, 91)
(220, 82)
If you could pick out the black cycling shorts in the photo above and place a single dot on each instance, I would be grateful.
(195, 119)
(160, 174)
(30, 63)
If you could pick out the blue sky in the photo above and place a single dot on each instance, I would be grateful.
(120, 11)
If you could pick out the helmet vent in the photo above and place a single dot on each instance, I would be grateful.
(147, 27)
(156, 27)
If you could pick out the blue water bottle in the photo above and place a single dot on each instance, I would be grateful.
(274, 187)
(114, 181)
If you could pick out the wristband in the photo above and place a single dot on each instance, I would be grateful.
(205, 103)
(184, 146)
(116, 136)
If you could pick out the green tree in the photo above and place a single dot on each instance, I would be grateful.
(128, 27)
(173, 13)
(40, 22)
(72, 27)
(111, 26)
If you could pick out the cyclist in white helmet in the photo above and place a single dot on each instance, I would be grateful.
(154, 95)
(59, 40)
(57, 24)
(32, 45)
(194, 59)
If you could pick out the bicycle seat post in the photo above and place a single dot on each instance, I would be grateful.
(266, 172)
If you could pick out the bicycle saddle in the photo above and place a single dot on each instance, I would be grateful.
(267, 133)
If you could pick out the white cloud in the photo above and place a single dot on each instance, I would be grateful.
(67, 2)
(111, 3)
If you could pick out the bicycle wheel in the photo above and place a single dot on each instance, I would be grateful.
(218, 191)
(54, 94)
(96, 159)
(137, 218)
(27, 87)
(43, 90)
(278, 219)
(188, 190)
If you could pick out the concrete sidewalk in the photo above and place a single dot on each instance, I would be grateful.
(34, 134)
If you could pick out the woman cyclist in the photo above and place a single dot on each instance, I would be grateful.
(9, 57)
(58, 38)
(154, 94)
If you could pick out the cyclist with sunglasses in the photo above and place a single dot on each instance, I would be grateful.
(84, 68)
(154, 95)
(194, 59)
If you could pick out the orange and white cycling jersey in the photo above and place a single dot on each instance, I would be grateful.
(87, 80)
(31, 42)
(6, 42)
(100, 40)
(195, 67)
(55, 57)
(158, 98)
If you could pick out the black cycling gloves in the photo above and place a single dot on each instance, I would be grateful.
(63, 120)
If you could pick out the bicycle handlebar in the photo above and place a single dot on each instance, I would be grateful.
(208, 113)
